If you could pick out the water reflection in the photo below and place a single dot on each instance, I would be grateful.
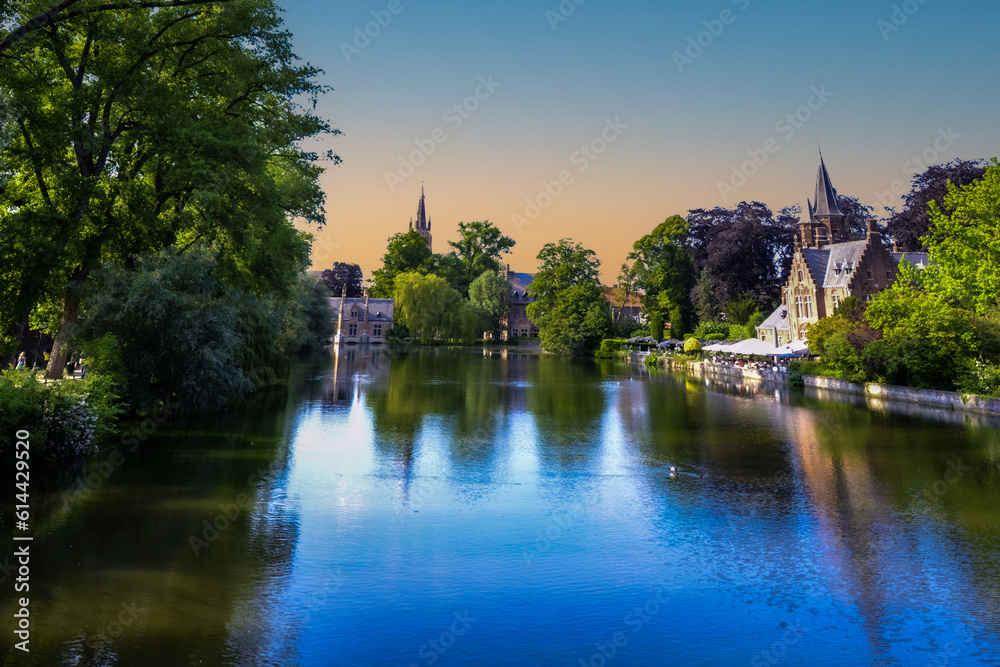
(377, 497)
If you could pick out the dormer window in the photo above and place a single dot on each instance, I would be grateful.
(354, 314)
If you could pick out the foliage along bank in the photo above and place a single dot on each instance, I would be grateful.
(150, 169)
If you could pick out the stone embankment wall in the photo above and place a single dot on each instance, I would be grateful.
(759, 374)
(948, 400)
(939, 399)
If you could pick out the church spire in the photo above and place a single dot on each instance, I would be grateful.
(825, 223)
(421, 211)
(826, 195)
(422, 224)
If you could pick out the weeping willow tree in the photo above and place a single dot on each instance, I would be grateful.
(138, 128)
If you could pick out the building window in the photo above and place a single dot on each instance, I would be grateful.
(888, 274)
(524, 332)
(836, 301)
(352, 330)
(354, 313)
(803, 307)
(376, 329)
(868, 297)
(869, 275)
(800, 275)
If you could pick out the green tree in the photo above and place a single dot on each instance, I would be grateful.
(144, 128)
(577, 324)
(740, 310)
(840, 341)
(964, 243)
(492, 294)
(706, 298)
(926, 341)
(428, 305)
(341, 275)
(178, 329)
(480, 247)
(404, 253)
(627, 281)
(24, 18)
(308, 322)
(665, 272)
(571, 312)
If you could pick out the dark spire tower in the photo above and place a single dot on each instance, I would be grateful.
(826, 220)
(423, 223)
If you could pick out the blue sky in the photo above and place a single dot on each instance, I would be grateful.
(887, 81)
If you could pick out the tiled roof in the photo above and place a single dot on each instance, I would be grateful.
(845, 257)
(378, 309)
(918, 259)
(520, 281)
(824, 262)
(777, 320)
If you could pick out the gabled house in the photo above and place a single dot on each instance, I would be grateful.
(827, 268)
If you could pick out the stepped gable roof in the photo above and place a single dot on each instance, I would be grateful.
(816, 260)
(777, 320)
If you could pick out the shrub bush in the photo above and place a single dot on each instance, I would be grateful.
(64, 419)
(609, 349)
(707, 328)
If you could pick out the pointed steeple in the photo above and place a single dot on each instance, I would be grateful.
(826, 195)
(421, 211)
(422, 224)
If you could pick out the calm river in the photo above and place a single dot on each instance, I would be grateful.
(462, 508)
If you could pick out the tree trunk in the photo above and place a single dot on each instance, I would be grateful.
(61, 344)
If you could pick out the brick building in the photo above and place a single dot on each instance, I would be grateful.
(362, 321)
(827, 268)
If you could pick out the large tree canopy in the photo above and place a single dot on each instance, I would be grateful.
(404, 253)
(746, 250)
(856, 217)
(343, 275)
(571, 312)
(964, 243)
(139, 130)
(21, 19)
(492, 294)
(665, 271)
(909, 226)
(480, 246)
